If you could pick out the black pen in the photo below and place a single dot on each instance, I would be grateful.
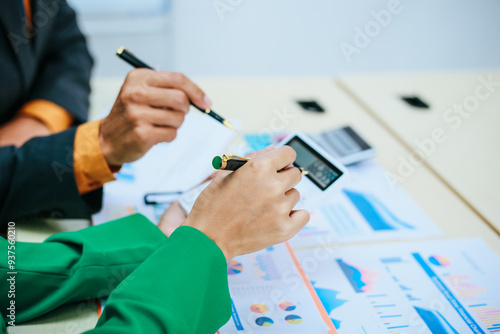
(233, 162)
(130, 58)
(228, 162)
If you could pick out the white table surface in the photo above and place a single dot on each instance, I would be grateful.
(467, 155)
(261, 103)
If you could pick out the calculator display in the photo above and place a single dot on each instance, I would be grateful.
(320, 171)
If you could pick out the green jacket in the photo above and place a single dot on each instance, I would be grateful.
(155, 284)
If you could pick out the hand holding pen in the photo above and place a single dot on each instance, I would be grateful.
(231, 162)
(130, 58)
(149, 109)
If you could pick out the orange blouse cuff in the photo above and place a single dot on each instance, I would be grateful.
(90, 166)
(55, 117)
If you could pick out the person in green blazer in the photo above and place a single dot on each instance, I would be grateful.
(158, 284)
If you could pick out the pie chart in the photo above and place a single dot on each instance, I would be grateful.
(264, 321)
(287, 306)
(293, 319)
(258, 308)
(439, 260)
(234, 267)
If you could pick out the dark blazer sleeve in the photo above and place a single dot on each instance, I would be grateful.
(65, 66)
(37, 180)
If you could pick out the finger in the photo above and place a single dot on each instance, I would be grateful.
(161, 134)
(281, 157)
(172, 218)
(290, 177)
(293, 197)
(211, 176)
(176, 207)
(180, 81)
(299, 219)
(174, 99)
(162, 117)
(259, 152)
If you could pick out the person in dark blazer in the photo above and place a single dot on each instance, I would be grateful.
(44, 72)
(44, 90)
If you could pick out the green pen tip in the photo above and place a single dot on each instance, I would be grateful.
(217, 162)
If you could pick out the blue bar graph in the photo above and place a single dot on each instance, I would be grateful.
(378, 216)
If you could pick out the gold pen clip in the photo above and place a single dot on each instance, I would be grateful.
(227, 157)
(233, 156)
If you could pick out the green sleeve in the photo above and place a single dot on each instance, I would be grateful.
(181, 288)
(75, 266)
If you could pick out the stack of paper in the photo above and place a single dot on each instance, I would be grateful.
(370, 207)
(441, 286)
(270, 294)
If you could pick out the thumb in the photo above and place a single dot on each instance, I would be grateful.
(257, 153)
(299, 219)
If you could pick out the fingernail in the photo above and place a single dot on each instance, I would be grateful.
(269, 148)
(208, 102)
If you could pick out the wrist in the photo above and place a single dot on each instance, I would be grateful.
(200, 226)
(107, 150)
(34, 120)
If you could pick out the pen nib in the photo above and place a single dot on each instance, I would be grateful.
(229, 125)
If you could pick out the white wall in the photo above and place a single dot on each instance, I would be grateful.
(141, 26)
(262, 37)
(295, 37)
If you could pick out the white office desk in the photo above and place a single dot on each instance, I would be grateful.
(468, 156)
(267, 104)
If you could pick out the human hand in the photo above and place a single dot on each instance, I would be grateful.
(251, 208)
(172, 218)
(21, 129)
(149, 109)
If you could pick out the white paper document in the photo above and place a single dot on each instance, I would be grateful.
(370, 207)
(441, 286)
(270, 294)
(167, 167)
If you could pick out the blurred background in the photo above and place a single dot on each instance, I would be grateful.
(271, 38)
